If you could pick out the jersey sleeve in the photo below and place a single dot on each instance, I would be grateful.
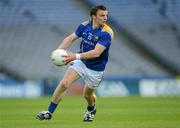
(79, 30)
(105, 40)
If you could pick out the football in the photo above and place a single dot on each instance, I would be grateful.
(58, 56)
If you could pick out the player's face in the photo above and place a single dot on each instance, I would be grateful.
(101, 17)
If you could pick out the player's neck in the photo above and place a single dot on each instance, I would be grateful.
(95, 25)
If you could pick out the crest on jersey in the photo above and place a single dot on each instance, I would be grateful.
(95, 38)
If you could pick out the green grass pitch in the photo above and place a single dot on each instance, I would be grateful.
(114, 112)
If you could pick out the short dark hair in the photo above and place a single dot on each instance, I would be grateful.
(94, 9)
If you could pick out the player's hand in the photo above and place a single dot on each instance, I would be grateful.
(70, 57)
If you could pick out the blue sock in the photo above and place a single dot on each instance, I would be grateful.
(91, 108)
(52, 107)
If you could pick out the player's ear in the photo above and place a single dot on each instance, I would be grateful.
(93, 16)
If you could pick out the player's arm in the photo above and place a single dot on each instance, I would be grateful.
(68, 41)
(96, 52)
(71, 38)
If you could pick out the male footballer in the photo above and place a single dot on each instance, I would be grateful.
(89, 63)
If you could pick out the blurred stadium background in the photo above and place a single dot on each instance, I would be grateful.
(144, 61)
(144, 57)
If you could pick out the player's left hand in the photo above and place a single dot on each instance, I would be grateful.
(70, 57)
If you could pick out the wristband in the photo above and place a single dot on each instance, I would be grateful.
(78, 56)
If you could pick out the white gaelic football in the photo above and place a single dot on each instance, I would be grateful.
(57, 57)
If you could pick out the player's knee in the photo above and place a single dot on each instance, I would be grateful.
(64, 84)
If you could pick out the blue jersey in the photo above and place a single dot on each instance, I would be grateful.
(90, 37)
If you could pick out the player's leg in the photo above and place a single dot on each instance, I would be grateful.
(70, 76)
(90, 96)
(92, 80)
